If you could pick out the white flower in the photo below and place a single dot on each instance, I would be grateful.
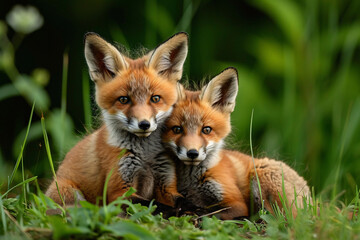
(24, 19)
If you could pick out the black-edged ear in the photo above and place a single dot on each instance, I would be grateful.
(221, 91)
(168, 58)
(103, 59)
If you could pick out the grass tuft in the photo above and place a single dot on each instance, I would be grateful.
(20, 158)
(48, 151)
(252, 157)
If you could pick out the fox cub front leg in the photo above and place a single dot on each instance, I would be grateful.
(166, 182)
(70, 193)
(137, 174)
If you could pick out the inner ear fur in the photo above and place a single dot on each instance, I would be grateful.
(103, 59)
(169, 57)
(222, 90)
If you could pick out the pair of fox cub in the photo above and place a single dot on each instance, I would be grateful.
(173, 138)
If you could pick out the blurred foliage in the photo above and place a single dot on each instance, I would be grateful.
(297, 61)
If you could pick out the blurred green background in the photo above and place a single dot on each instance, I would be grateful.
(298, 63)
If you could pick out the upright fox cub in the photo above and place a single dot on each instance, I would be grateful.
(135, 98)
(209, 175)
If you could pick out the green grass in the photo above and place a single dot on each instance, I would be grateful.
(24, 216)
(320, 221)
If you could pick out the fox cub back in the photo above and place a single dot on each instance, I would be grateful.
(210, 176)
(135, 97)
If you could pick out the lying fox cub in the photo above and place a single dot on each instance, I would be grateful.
(209, 175)
(135, 97)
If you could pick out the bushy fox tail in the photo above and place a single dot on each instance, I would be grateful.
(279, 185)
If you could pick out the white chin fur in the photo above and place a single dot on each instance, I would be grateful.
(191, 163)
(142, 134)
(210, 156)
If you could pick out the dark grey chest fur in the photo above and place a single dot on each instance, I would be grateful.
(145, 148)
(135, 167)
(193, 186)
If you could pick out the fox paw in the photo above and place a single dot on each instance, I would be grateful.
(211, 193)
(179, 202)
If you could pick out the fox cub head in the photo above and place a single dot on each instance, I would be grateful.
(135, 95)
(201, 120)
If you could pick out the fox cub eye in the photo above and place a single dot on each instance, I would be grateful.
(155, 98)
(177, 129)
(206, 130)
(124, 100)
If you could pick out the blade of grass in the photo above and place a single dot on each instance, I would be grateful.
(63, 96)
(23, 178)
(86, 99)
(105, 195)
(252, 157)
(3, 219)
(351, 124)
(190, 8)
(48, 151)
(22, 148)
(284, 200)
(27, 236)
(107, 216)
(17, 185)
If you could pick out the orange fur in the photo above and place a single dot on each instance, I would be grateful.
(87, 165)
(167, 195)
(234, 171)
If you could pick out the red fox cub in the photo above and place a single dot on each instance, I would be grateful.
(209, 175)
(135, 96)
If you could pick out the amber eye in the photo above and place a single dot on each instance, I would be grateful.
(155, 98)
(124, 100)
(206, 130)
(177, 129)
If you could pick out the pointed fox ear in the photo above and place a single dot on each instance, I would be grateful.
(102, 58)
(221, 91)
(168, 58)
(180, 92)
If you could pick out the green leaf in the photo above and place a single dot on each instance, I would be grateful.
(61, 129)
(268, 218)
(64, 231)
(18, 185)
(129, 192)
(128, 230)
(3, 219)
(8, 91)
(251, 226)
(33, 92)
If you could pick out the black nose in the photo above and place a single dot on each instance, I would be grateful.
(192, 153)
(144, 125)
